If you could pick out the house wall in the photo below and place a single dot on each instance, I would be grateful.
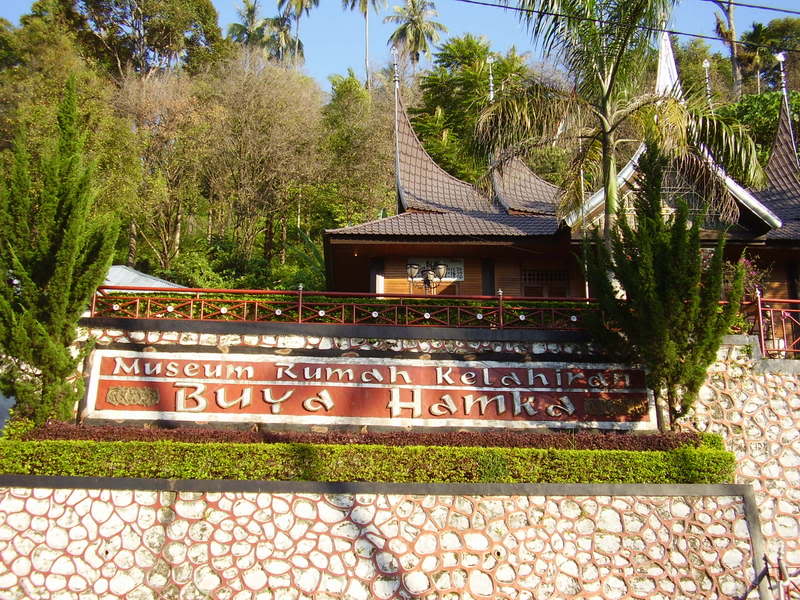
(396, 279)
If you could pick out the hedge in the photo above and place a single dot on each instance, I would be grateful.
(359, 462)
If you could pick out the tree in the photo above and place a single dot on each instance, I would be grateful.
(252, 29)
(145, 35)
(726, 29)
(760, 113)
(281, 44)
(760, 45)
(668, 316)
(45, 56)
(171, 147)
(359, 151)
(52, 257)
(363, 8)
(262, 143)
(417, 30)
(296, 8)
(454, 92)
(689, 58)
(603, 44)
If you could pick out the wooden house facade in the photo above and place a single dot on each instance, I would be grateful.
(451, 238)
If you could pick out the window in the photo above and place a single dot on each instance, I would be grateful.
(545, 283)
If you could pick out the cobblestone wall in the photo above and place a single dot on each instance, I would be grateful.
(102, 544)
(344, 344)
(755, 406)
(152, 545)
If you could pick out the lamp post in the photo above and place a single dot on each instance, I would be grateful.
(707, 68)
(429, 275)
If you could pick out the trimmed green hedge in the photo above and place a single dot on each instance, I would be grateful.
(322, 462)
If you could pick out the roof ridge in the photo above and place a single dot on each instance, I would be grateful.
(783, 154)
(436, 190)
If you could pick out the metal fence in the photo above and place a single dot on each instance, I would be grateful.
(776, 321)
(337, 308)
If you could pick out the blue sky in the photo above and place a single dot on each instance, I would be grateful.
(334, 38)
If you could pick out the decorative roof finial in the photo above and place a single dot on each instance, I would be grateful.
(395, 68)
(781, 58)
(707, 68)
(490, 62)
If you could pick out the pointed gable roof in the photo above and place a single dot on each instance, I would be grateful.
(782, 193)
(422, 184)
(517, 188)
(667, 83)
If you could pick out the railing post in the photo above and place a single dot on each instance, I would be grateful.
(94, 305)
(500, 300)
(760, 321)
(300, 303)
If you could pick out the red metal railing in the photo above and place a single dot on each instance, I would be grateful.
(775, 321)
(340, 308)
(777, 324)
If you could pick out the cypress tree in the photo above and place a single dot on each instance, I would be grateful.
(659, 301)
(52, 258)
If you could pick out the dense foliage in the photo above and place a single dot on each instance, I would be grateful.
(356, 462)
(660, 303)
(52, 258)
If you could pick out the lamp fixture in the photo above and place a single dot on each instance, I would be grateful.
(430, 275)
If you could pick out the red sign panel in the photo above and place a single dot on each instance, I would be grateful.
(364, 391)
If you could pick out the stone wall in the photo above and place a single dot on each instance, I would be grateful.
(755, 405)
(209, 543)
(92, 543)
(290, 342)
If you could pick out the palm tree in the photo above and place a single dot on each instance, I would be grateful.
(416, 32)
(280, 42)
(296, 8)
(604, 45)
(363, 8)
(251, 30)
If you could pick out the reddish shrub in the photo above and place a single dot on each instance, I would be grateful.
(505, 439)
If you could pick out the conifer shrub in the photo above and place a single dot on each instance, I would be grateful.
(660, 302)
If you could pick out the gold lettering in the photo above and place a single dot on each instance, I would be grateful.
(341, 374)
(275, 403)
(320, 401)
(240, 372)
(394, 374)
(443, 376)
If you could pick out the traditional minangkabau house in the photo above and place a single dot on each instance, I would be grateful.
(462, 241)
(512, 242)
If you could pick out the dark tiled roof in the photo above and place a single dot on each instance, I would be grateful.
(518, 188)
(782, 194)
(464, 224)
(423, 185)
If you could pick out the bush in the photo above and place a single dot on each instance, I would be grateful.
(565, 440)
(359, 462)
